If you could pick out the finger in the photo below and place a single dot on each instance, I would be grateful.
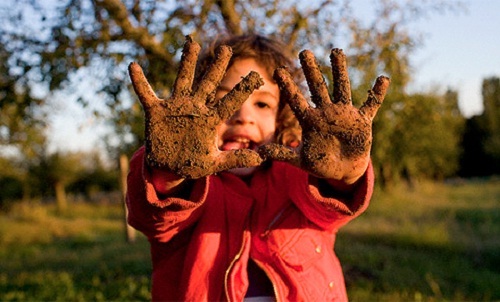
(241, 158)
(314, 78)
(146, 95)
(216, 71)
(380, 87)
(341, 83)
(375, 97)
(291, 93)
(185, 75)
(280, 153)
(233, 100)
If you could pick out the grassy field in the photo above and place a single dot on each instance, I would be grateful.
(432, 243)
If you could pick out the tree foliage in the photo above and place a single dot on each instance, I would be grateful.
(73, 42)
(54, 175)
(22, 122)
(430, 146)
(491, 102)
(481, 138)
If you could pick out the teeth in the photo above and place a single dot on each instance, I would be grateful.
(242, 140)
(236, 142)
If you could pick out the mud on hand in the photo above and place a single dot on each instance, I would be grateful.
(180, 131)
(335, 134)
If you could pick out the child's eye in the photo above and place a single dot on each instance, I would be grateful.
(262, 105)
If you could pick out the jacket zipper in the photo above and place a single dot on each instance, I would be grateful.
(270, 279)
(238, 255)
(275, 220)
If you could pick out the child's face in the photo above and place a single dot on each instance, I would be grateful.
(254, 124)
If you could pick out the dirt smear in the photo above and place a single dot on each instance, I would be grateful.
(333, 128)
(181, 130)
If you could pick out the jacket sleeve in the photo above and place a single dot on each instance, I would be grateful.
(329, 210)
(159, 217)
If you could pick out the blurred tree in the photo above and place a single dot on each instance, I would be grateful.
(21, 117)
(10, 183)
(92, 41)
(55, 172)
(426, 137)
(18, 121)
(491, 103)
(473, 161)
(409, 129)
(95, 177)
(22, 120)
(481, 138)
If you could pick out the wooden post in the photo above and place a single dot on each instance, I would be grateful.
(129, 231)
(61, 200)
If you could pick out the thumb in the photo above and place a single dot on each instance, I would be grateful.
(280, 153)
(241, 158)
(375, 97)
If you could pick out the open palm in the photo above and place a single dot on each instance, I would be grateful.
(336, 136)
(181, 133)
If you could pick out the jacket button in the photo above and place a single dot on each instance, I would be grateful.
(318, 249)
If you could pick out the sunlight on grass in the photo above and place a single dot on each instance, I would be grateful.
(80, 255)
(432, 243)
(35, 223)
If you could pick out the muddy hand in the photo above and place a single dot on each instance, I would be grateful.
(181, 133)
(336, 135)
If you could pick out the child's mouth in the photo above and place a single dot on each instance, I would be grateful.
(237, 143)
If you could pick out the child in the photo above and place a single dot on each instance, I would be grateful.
(236, 202)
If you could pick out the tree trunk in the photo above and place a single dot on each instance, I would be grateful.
(385, 177)
(26, 191)
(62, 202)
(129, 231)
(230, 16)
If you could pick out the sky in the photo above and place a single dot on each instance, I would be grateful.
(459, 51)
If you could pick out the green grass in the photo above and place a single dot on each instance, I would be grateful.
(432, 243)
(79, 256)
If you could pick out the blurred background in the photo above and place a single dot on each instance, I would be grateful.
(69, 122)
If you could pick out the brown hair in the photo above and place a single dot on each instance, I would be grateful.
(271, 54)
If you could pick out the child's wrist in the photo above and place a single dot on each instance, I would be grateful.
(343, 186)
(349, 180)
(165, 182)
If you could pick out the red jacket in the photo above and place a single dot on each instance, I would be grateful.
(200, 246)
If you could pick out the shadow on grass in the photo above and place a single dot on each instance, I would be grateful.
(77, 269)
(399, 267)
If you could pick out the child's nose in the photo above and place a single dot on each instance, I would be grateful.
(245, 115)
